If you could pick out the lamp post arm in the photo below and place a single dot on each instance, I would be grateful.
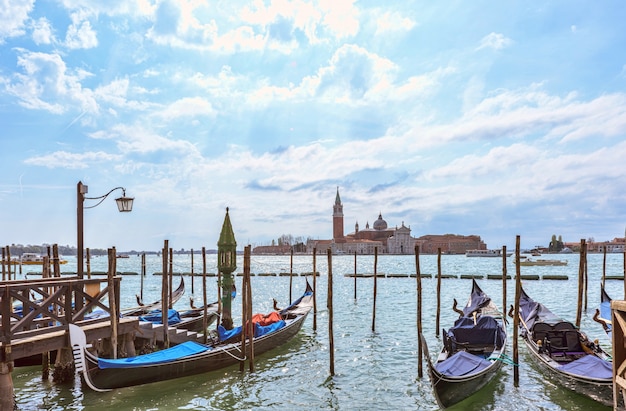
(103, 197)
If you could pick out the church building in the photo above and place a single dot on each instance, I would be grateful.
(396, 240)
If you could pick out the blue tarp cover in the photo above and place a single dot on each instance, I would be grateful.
(590, 366)
(462, 363)
(227, 334)
(260, 330)
(173, 317)
(179, 351)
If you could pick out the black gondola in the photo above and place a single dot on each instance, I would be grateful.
(184, 359)
(565, 353)
(472, 353)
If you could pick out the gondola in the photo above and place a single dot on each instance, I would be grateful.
(564, 352)
(144, 309)
(188, 358)
(473, 351)
(603, 314)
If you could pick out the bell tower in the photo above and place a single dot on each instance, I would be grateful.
(338, 219)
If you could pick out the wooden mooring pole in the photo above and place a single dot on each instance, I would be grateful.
(504, 275)
(290, 275)
(249, 311)
(205, 320)
(581, 280)
(164, 296)
(331, 338)
(418, 275)
(438, 292)
(314, 291)
(355, 275)
(518, 292)
(375, 288)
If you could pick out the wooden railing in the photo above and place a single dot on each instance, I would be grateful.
(50, 304)
(618, 309)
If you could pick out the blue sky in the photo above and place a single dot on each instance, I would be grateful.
(495, 119)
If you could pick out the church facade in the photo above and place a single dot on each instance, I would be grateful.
(387, 240)
(395, 240)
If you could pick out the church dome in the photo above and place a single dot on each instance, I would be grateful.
(380, 224)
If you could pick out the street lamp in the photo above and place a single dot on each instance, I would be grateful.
(124, 205)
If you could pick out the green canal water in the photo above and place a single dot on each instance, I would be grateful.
(374, 369)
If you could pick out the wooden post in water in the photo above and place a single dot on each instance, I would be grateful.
(438, 291)
(45, 357)
(581, 274)
(604, 268)
(518, 292)
(112, 300)
(143, 274)
(314, 291)
(375, 287)
(88, 252)
(164, 295)
(192, 290)
(355, 275)
(290, 275)
(8, 263)
(586, 285)
(170, 278)
(249, 310)
(55, 260)
(331, 339)
(245, 329)
(418, 276)
(504, 275)
(205, 319)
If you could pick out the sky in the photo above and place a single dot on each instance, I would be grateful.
(497, 119)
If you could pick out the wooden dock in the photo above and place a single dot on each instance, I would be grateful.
(35, 313)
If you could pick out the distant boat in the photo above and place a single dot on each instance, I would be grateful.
(122, 256)
(529, 261)
(485, 253)
(36, 259)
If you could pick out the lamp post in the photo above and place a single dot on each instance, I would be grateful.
(124, 205)
(226, 264)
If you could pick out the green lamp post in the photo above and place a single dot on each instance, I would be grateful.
(226, 264)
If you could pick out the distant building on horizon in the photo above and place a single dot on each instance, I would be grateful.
(396, 240)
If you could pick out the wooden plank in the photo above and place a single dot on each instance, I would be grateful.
(55, 340)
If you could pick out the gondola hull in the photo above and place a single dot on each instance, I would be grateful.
(452, 390)
(211, 360)
(473, 351)
(186, 359)
(598, 389)
(565, 354)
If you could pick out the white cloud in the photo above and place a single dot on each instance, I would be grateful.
(494, 41)
(393, 21)
(46, 84)
(72, 161)
(188, 107)
(42, 31)
(13, 17)
(80, 34)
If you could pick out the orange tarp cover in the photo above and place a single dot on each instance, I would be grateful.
(266, 319)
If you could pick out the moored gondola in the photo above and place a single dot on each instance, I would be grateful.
(188, 358)
(565, 353)
(472, 353)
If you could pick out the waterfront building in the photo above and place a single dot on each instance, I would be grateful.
(388, 240)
